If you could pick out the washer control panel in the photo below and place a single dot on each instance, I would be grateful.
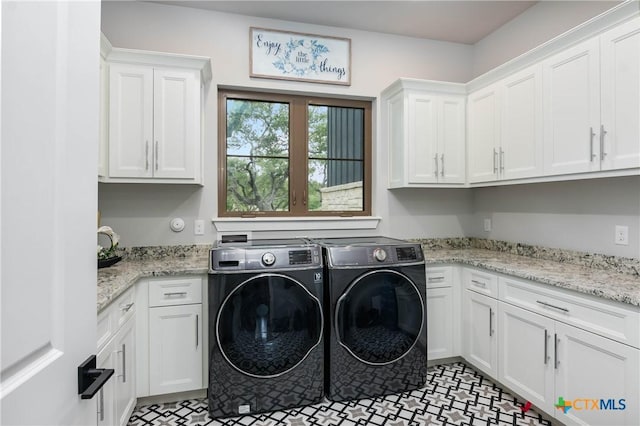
(382, 255)
(272, 258)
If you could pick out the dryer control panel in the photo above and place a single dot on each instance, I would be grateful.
(382, 255)
(265, 258)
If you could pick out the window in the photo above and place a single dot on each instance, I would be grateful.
(284, 155)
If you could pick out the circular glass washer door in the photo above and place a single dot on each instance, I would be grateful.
(379, 317)
(268, 325)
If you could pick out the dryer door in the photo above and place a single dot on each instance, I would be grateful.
(379, 317)
(268, 325)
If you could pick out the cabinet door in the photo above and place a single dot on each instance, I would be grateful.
(103, 141)
(176, 124)
(451, 139)
(480, 329)
(571, 82)
(422, 139)
(440, 332)
(125, 387)
(525, 349)
(484, 135)
(105, 399)
(130, 120)
(520, 153)
(620, 49)
(175, 349)
(590, 367)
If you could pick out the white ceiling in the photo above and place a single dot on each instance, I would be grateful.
(456, 21)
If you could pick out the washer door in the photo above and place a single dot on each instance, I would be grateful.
(268, 325)
(379, 317)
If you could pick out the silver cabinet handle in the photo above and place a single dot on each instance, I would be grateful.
(175, 293)
(126, 307)
(495, 161)
(501, 160)
(490, 322)
(435, 158)
(197, 338)
(546, 338)
(591, 136)
(124, 363)
(156, 153)
(146, 155)
(602, 133)
(479, 283)
(556, 362)
(442, 169)
(101, 405)
(549, 305)
(440, 278)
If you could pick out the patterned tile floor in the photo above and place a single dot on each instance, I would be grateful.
(454, 394)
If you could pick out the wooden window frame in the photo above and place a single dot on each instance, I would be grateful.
(298, 152)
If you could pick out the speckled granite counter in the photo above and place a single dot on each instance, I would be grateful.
(603, 276)
(607, 284)
(116, 279)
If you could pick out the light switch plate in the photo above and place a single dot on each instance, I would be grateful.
(487, 225)
(198, 227)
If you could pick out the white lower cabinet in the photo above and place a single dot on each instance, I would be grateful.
(116, 350)
(479, 336)
(175, 347)
(171, 339)
(443, 313)
(546, 361)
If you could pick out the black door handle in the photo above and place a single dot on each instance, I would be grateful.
(91, 379)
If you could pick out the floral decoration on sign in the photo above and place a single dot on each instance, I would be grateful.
(302, 57)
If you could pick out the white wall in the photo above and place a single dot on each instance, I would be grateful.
(141, 213)
(577, 215)
(536, 25)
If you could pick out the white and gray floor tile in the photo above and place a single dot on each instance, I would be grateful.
(454, 394)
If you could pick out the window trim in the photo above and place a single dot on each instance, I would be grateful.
(298, 183)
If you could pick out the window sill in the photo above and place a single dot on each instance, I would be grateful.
(236, 224)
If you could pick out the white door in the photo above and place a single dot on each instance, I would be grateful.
(483, 131)
(422, 139)
(175, 348)
(440, 331)
(176, 123)
(521, 136)
(479, 331)
(50, 85)
(571, 81)
(525, 349)
(451, 139)
(596, 368)
(620, 49)
(130, 121)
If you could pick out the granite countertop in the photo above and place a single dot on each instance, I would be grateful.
(606, 283)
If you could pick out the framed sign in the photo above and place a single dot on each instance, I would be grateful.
(287, 55)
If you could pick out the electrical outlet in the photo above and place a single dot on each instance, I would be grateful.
(198, 227)
(622, 235)
(487, 225)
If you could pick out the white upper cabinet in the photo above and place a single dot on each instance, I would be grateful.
(520, 153)
(426, 133)
(154, 120)
(484, 134)
(620, 99)
(505, 128)
(592, 104)
(572, 109)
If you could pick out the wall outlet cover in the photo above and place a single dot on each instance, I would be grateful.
(487, 225)
(622, 235)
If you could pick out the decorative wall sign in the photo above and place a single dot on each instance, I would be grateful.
(295, 56)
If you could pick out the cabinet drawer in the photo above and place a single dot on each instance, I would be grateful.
(480, 282)
(124, 307)
(181, 291)
(608, 319)
(439, 276)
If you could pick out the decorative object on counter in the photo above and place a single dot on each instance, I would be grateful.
(286, 55)
(108, 257)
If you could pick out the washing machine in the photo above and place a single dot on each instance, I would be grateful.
(375, 317)
(266, 325)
